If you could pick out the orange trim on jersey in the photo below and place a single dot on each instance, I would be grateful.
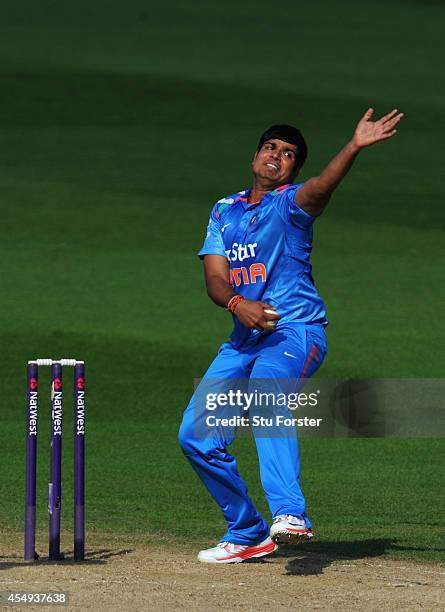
(244, 199)
(313, 354)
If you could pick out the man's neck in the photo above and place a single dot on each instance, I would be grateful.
(259, 190)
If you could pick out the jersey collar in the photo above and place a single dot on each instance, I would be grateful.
(243, 196)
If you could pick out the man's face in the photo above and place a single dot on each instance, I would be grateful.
(276, 161)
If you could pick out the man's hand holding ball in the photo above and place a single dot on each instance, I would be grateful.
(272, 322)
(255, 315)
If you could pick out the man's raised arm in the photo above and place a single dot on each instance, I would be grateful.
(315, 193)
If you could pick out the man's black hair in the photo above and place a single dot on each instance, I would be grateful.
(289, 134)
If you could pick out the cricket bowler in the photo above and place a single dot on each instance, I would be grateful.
(256, 259)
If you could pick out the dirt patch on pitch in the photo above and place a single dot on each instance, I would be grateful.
(160, 578)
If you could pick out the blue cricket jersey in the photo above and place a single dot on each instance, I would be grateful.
(268, 246)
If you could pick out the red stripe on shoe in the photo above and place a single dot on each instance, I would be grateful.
(250, 552)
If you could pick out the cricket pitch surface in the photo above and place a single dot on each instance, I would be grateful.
(159, 577)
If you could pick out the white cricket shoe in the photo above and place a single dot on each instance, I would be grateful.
(226, 552)
(288, 529)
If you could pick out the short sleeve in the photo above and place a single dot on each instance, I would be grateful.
(213, 243)
(296, 215)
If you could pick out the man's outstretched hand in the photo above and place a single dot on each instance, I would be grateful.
(369, 132)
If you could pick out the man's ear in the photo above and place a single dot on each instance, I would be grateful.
(255, 156)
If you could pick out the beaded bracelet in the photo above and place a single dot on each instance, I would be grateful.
(234, 301)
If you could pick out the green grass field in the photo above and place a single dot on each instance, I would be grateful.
(121, 124)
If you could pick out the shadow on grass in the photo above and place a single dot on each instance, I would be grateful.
(312, 558)
(93, 557)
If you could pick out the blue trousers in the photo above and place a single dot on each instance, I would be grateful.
(292, 352)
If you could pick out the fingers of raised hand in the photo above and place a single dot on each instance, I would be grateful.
(367, 116)
(387, 117)
(387, 129)
(388, 134)
(389, 125)
(390, 116)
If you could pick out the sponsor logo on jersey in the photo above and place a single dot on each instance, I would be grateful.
(250, 274)
(240, 252)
